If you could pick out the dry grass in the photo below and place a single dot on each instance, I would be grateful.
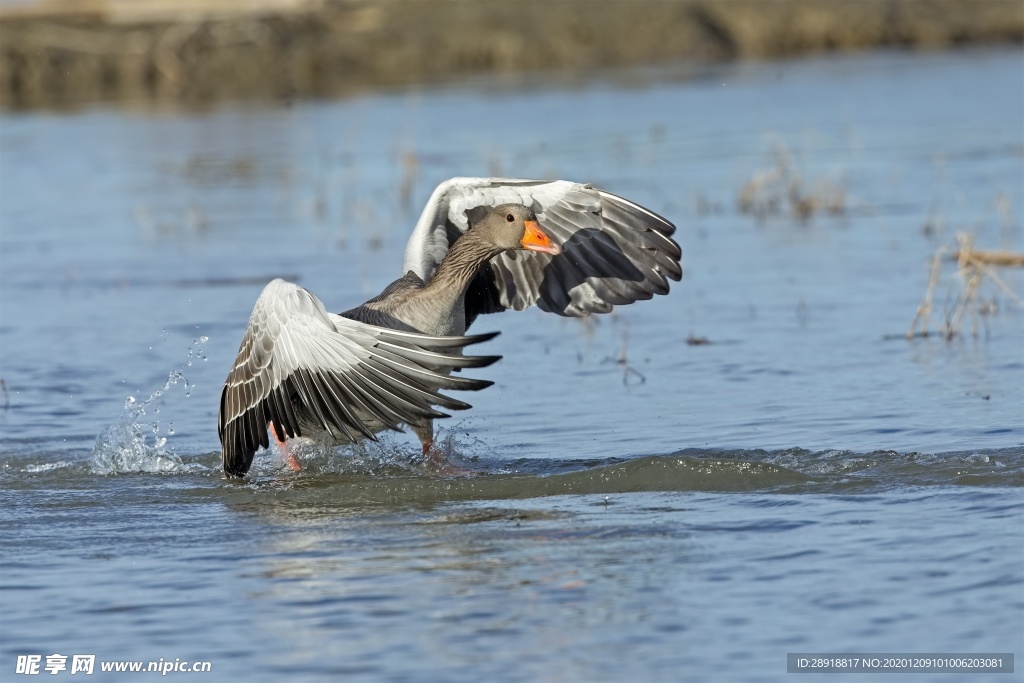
(974, 268)
(623, 360)
(197, 51)
(782, 189)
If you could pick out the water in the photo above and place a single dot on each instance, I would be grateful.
(804, 482)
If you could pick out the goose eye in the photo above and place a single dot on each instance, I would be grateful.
(510, 218)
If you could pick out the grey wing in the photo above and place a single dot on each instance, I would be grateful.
(297, 360)
(614, 251)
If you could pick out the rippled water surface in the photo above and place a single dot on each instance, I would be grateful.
(642, 505)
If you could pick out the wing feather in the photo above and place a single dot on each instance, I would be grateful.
(614, 251)
(298, 364)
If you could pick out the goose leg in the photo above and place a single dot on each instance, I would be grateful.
(282, 446)
(426, 436)
(434, 458)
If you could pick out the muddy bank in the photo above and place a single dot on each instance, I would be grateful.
(57, 53)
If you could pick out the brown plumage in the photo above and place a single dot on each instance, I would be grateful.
(383, 364)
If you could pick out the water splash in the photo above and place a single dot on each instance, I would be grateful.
(196, 352)
(43, 467)
(390, 455)
(387, 456)
(136, 442)
(133, 444)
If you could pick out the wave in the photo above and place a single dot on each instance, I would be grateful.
(388, 473)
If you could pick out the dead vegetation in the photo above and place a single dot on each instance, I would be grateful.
(623, 360)
(59, 52)
(783, 190)
(974, 269)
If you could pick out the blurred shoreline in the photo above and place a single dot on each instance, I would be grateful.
(57, 53)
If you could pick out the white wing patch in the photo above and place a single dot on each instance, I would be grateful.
(614, 251)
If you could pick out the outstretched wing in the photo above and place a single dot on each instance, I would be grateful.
(613, 251)
(300, 363)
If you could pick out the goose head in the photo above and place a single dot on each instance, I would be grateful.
(514, 226)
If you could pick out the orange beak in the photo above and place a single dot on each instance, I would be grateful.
(536, 239)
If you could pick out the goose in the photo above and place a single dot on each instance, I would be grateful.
(481, 245)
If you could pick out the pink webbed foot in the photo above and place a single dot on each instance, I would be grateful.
(292, 462)
(439, 462)
(289, 458)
